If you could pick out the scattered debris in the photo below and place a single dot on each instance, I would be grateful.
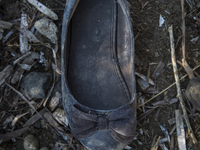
(16, 133)
(143, 77)
(143, 84)
(5, 38)
(55, 101)
(5, 73)
(43, 9)
(154, 145)
(29, 35)
(179, 95)
(159, 70)
(128, 148)
(14, 121)
(22, 38)
(60, 116)
(166, 133)
(60, 146)
(163, 146)
(31, 142)
(5, 24)
(7, 121)
(194, 40)
(29, 60)
(180, 130)
(47, 28)
(34, 118)
(56, 69)
(161, 20)
(35, 84)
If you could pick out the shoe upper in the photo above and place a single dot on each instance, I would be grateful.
(98, 82)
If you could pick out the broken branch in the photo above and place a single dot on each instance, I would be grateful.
(179, 95)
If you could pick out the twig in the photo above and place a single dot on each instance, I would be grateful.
(183, 29)
(167, 88)
(21, 58)
(29, 103)
(180, 130)
(22, 38)
(179, 95)
(184, 62)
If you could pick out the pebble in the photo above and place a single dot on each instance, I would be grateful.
(193, 93)
(47, 28)
(35, 84)
(31, 142)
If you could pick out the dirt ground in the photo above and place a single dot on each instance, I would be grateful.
(151, 46)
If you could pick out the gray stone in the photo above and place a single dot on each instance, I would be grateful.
(35, 84)
(31, 142)
(47, 28)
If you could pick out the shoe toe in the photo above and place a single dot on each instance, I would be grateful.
(101, 140)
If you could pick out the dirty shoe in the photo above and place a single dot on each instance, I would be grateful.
(98, 82)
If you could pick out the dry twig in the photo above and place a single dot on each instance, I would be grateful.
(167, 88)
(184, 62)
(180, 130)
(179, 95)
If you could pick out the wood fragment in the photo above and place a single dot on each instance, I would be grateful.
(163, 147)
(21, 58)
(179, 94)
(29, 60)
(144, 78)
(154, 145)
(5, 24)
(172, 130)
(43, 9)
(184, 62)
(165, 132)
(5, 38)
(29, 103)
(180, 130)
(172, 143)
(56, 69)
(29, 35)
(5, 73)
(159, 70)
(167, 88)
(17, 118)
(16, 133)
(34, 118)
(22, 38)
(148, 112)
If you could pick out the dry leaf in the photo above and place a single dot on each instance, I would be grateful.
(43, 9)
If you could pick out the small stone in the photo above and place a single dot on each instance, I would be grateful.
(193, 93)
(44, 148)
(31, 142)
(35, 84)
(47, 28)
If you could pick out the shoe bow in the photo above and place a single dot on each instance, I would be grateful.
(120, 122)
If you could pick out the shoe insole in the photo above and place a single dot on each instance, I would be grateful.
(99, 71)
